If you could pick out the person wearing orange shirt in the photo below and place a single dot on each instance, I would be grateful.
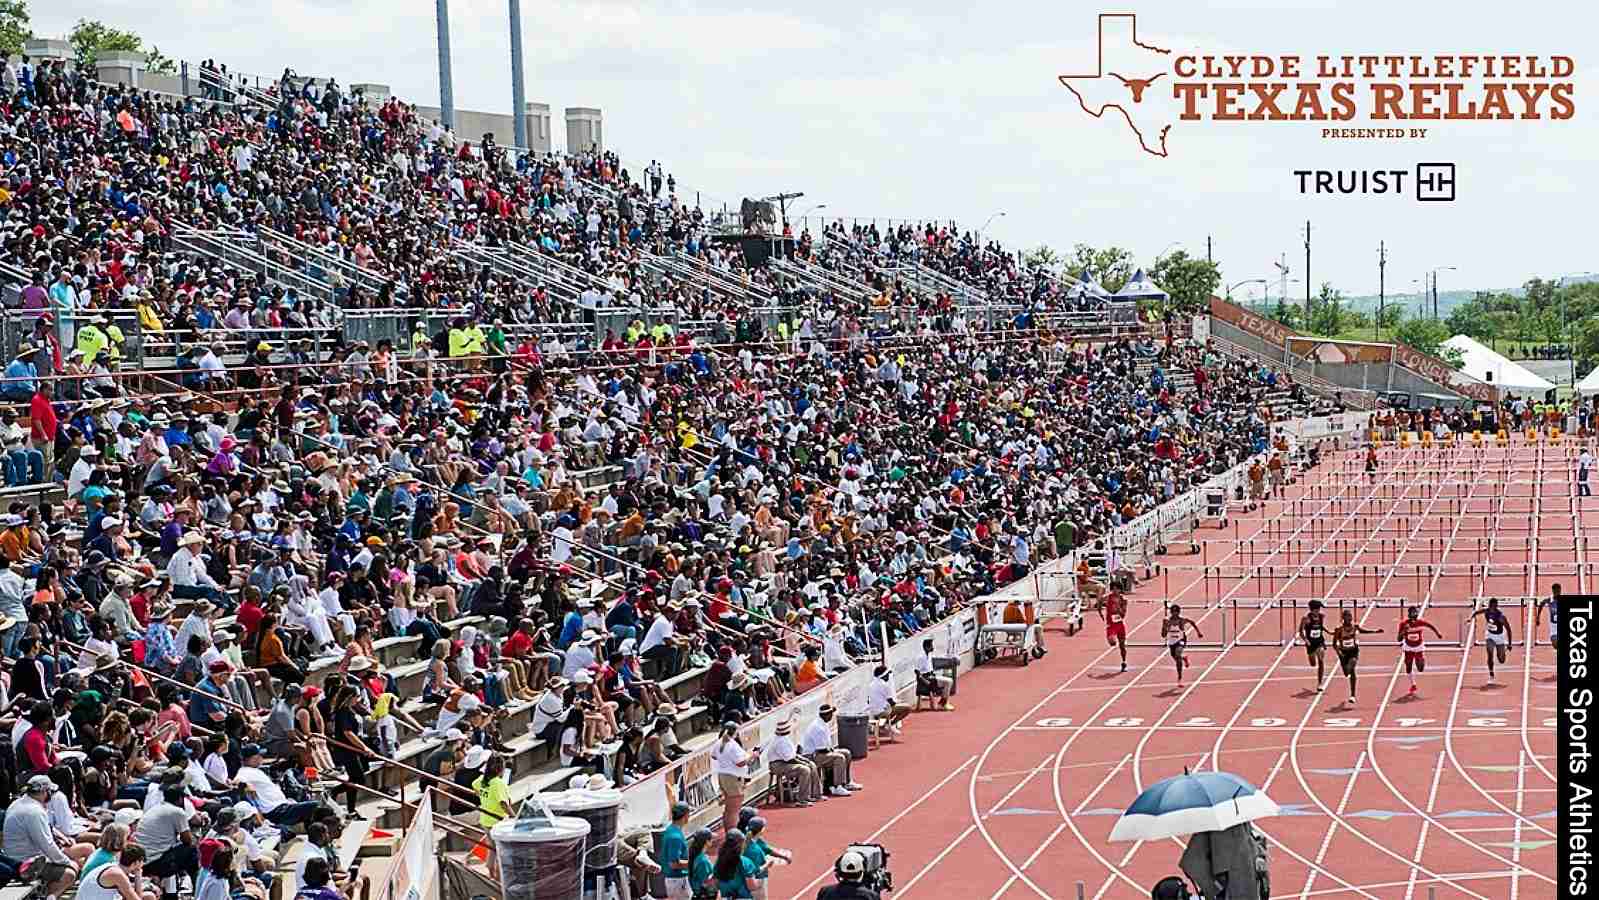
(809, 673)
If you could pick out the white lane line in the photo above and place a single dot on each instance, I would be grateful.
(1043, 766)
(801, 893)
(1332, 828)
(1421, 839)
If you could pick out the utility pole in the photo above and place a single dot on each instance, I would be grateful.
(1207, 249)
(1307, 273)
(518, 96)
(446, 86)
(1382, 266)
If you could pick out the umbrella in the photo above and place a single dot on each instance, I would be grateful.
(1189, 804)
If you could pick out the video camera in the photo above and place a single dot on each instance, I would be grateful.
(875, 874)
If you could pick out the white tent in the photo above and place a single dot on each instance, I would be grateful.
(1484, 364)
(1139, 287)
(1589, 385)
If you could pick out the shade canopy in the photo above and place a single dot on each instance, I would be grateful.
(1485, 364)
(1139, 287)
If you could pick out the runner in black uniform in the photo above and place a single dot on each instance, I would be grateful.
(1312, 629)
(1498, 639)
(1553, 605)
(1346, 642)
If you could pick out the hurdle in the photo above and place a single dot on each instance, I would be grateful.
(1214, 639)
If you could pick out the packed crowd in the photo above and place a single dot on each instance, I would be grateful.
(192, 635)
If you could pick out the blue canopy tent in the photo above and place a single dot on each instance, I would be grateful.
(1139, 287)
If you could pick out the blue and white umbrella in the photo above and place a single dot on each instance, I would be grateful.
(1190, 804)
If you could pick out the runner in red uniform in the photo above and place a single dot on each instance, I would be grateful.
(1113, 610)
(1415, 643)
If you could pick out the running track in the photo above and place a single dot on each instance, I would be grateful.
(1014, 794)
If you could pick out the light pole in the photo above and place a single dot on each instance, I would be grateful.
(1260, 281)
(808, 211)
(984, 227)
(1435, 272)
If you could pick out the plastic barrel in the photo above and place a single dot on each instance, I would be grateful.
(541, 859)
(601, 809)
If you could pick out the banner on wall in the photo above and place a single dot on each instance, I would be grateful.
(1273, 333)
(413, 868)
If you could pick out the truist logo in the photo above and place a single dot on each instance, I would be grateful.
(1149, 88)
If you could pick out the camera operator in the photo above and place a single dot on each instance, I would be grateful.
(851, 872)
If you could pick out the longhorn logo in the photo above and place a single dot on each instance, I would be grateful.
(1136, 85)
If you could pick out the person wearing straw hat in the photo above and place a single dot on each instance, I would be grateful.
(785, 762)
(21, 375)
(190, 580)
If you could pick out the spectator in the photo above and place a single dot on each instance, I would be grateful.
(834, 764)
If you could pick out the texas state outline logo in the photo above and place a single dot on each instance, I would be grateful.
(1137, 66)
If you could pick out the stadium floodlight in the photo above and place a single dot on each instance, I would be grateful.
(518, 95)
(446, 87)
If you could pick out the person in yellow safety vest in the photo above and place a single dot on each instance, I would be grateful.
(476, 340)
(458, 339)
(114, 332)
(634, 330)
(92, 338)
(419, 337)
(661, 332)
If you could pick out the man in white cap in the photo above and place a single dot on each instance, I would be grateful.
(459, 706)
(81, 470)
(581, 655)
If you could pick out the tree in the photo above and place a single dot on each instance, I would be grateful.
(1389, 317)
(1287, 314)
(1473, 318)
(13, 25)
(1111, 266)
(1042, 257)
(90, 38)
(1190, 281)
(1425, 334)
(156, 61)
(1327, 314)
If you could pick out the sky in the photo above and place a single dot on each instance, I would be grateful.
(945, 111)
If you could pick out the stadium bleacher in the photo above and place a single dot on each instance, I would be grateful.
(291, 296)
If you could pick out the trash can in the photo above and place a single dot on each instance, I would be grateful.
(949, 667)
(852, 734)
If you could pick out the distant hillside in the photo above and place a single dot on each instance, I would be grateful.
(1447, 300)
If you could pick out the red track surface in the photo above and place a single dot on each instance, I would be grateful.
(1014, 794)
